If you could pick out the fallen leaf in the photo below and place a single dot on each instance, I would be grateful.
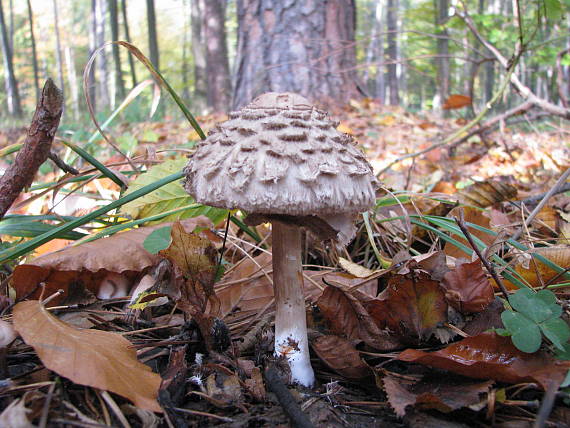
(490, 356)
(94, 358)
(354, 268)
(255, 385)
(475, 216)
(412, 306)
(349, 319)
(483, 194)
(455, 101)
(467, 287)
(537, 273)
(82, 268)
(341, 356)
(444, 395)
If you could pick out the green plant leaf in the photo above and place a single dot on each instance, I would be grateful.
(525, 334)
(557, 331)
(158, 240)
(539, 307)
(166, 198)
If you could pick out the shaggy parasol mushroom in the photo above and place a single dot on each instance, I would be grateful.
(280, 159)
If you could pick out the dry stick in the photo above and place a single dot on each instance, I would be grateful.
(546, 406)
(461, 223)
(286, 399)
(36, 148)
(61, 164)
(561, 180)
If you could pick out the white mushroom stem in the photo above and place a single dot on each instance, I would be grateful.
(290, 318)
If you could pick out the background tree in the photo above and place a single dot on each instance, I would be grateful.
(152, 40)
(114, 19)
(102, 66)
(217, 66)
(393, 82)
(198, 54)
(128, 39)
(12, 94)
(58, 55)
(442, 59)
(34, 53)
(297, 46)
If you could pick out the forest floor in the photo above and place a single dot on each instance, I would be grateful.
(401, 326)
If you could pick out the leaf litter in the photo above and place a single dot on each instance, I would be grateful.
(409, 338)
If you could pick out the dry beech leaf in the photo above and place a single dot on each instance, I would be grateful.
(412, 307)
(483, 194)
(255, 385)
(490, 356)
(348, 318)
(455, 101)
(341, 356)
(471, 215)
(94, 358)
(467, 287)
(443, 395)
(83, 267)
(354, 269)
(537, 270)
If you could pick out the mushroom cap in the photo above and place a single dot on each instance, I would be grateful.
(281, 155)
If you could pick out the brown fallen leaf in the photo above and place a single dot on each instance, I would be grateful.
(486, 193)
(490, 356)
(348, 318)
(94, 358)
(475, 216)
(412, 306)
(455, 101)
(444, 395)
(341, 356)
(534, 270)
(79, 270)
(196, 258)
(467, 287)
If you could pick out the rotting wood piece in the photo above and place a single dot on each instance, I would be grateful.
(36, 147)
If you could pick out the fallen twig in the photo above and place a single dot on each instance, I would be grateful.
(61, 164)
(461, 223)
(290, 406)
(561, 180)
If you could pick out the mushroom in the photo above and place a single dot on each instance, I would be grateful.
(282, 160)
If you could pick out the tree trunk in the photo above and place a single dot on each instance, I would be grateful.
(34, 53)
(381, 69)
(91, 88)
(119, 82)
(72, 79)
(152, 41)
(199, 54)
(185, 48)
(442, 60)
(392, 51)
(217, 66)
(58, 56)
(297, 46)
(128, 39)
(12, 95)
(102, 75)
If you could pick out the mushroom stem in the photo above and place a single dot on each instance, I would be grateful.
(290, 318)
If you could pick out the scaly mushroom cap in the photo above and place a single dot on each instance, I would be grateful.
(281, 155)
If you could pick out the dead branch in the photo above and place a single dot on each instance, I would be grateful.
(36, 147)
(523, 90)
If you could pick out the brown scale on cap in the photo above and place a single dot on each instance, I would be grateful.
(281, 155)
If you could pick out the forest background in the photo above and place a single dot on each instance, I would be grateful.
(404, 52)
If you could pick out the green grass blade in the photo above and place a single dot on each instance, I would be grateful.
(96, 164)
(26, 247)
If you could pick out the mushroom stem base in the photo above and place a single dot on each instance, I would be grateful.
(290, 318)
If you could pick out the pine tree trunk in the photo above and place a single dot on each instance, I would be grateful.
(152, 40)
(199, 54)
(392, 51)
(442, 60)
(34, 52)
(128, 39)
(119, 82)
(91, 88)
(102, 75)
(217, 66)
(58, 56)
(12, 95)
(296, 46)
